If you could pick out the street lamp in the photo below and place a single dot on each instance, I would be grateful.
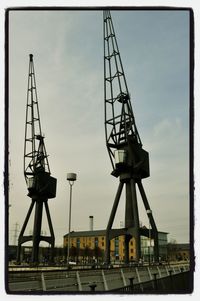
(148, 214)
(71, 177)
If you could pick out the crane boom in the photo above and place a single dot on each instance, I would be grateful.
(35, 155)
(119, 117)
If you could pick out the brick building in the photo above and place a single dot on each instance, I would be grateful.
(178, 251)
(85, 245)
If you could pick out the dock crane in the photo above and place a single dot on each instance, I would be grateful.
(130, 162)
(41, 186)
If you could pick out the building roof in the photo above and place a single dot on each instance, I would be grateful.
(180, 246)
(87, 233)
(92, 233)
(145, 228)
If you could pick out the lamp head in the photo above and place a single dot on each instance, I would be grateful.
(71, 177)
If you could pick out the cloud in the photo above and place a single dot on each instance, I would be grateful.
(166, 128)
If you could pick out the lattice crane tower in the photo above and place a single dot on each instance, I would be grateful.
(41, 186)
(130, 162)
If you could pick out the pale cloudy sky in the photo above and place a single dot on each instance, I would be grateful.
(68, 57)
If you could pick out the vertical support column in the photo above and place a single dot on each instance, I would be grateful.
(79, 281)
(19, 252)
(129, 220)
(159, 272)
(126, 248)
(107, 252)
(129, 213)
(150, 275)
(138, 275)
(123, 277)
(43, 282)
(37, 230)
(136, 220)
(104, 281)
(132, 219)
(155, 281)
(167, 270)
(171, 279)
(22, 231)
(110, 222)
(152, 222)
(51, 230)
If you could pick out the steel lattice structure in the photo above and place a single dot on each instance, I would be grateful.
(119, 118)
(41, 186)
(35, 155)
(129, 160)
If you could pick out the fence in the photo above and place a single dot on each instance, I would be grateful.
(178, 283)
(129, 279)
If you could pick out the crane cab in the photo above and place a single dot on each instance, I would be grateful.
(42, 185)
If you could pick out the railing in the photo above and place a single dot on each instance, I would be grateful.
(139, 279)
(177, 283)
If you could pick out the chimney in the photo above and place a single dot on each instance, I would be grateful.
(91, 222)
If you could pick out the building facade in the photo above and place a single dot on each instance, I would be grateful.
(89, 245)
(178, 251)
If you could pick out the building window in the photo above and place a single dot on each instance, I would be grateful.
(102, 238)
(78, 243)
(102, 244)
(116, 247)
(96, 242)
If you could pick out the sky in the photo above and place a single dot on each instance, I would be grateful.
(68, 58)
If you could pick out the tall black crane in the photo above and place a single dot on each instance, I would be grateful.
(130, 162)
(41, 186)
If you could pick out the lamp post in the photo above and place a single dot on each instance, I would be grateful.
(148, 213)
(71, 177)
